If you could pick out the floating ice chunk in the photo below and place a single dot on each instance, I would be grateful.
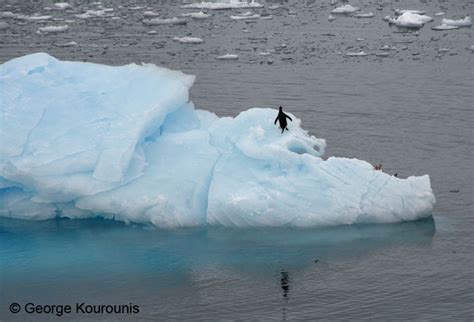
(365, 15)
(7, 14)
(82, 140)
(408, 19)
(402, 11)
(441, 13)
(356, 54)
(331, 18)
(345, 9)
(466, 22)
(274, 7)
(244, 16)
(62, 5)
(152, 32)
(382, 54)
(136, 8)
(266, 17)
(91, 14)
(4, 25)
(170, 21)
(188, 40)
(444, 27)
(264, 53)
(67, 44)
(34, 17)
(53, 29)
(150, 14)
(196, 15)
(222, 6)
(228, 57)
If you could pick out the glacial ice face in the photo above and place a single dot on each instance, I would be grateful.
(82, 140)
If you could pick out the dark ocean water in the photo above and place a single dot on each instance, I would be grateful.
(412, 111)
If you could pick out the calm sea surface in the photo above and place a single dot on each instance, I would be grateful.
(408, 104)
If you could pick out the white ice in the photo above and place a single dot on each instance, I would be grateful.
(345, 9)
(228, 57)
(169, 21)
(232, 4)
(409, 19)
(188, 40)
(83, 140)
(466, 22)
(196, 15)
(53, 29)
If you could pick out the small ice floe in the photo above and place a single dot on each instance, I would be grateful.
(443, 50)
(441, 13)
(152, 32)
(345, 9)
(188, 40)
(34, 17)
(53, 29)
(356, 54)
(7, 14)
(382, 54)
(402, 11)
(266, 17)
(150, 14)
(228, 57)
(170, 21)
(408, 19)
(244, 16)
(472, 48)
(274, 7)
(264, 53)
(444, 27)
(62, 5)
(91, 14)
(360, 39)
(196, 15)
(331, 18)
(223, 6)
(67, 44)
(365, 15)
(245, 31)
(4, 25)
(466, 22)
(135, 8)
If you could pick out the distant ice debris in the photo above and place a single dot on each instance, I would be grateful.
(402, 11)
(356, 54)
(135, 8)
(408, 19)
(188, 40)
(345, 9)
(150, 14)
(158, 21)
(34, 17)
(365, 15)
(152, 32)
(62, 5)
(92, 14)
(264, 53)
(53, 29)
(466, 22)
(244, 16)
(223, 6)
(331, 18)
(228, 57)
(196, 15)
(444, 27)
(274, 7)
(67, 44)
(7, 14)
(439, 14)
(382, 54)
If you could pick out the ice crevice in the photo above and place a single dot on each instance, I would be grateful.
(127, 144)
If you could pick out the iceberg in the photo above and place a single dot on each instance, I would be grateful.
(82, 140)
(409, 19)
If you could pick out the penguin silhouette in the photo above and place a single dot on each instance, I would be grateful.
(281, 118)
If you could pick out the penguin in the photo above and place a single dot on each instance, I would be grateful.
(281, 118)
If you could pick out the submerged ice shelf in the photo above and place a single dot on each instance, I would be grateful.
(82, 140)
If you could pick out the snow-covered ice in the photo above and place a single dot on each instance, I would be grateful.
(83, 140)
